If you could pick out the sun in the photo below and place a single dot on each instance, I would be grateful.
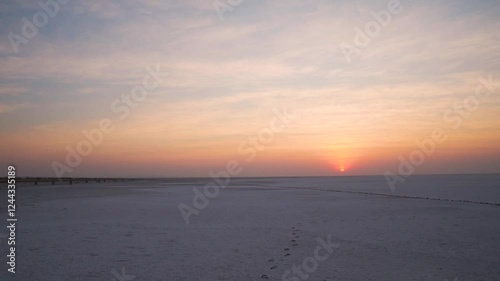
(342, 169)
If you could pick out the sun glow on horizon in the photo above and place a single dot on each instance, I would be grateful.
(342, 169)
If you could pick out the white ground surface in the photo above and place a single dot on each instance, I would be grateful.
(85, 231)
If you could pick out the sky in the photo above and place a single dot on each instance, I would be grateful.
(282, 88)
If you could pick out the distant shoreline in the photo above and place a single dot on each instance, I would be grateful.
(71, 180)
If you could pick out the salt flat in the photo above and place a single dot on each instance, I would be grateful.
(430, 228)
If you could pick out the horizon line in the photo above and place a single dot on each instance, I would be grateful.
(246, 177)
